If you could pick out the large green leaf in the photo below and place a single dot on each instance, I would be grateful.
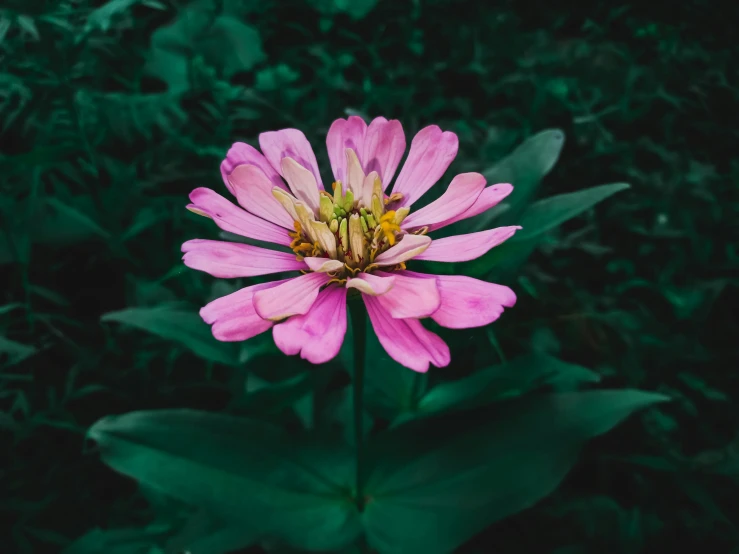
(434, 483)
(390, 388)
(116, 541)
(179, 325)
(504, 381)
(223, 41)
(501, 263)
(525, 167)
(544, 215)
(14, 352)
(242, 471)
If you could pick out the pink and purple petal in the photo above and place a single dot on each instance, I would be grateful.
(406, 340)
(228, 260)
(318, 334)
(241, 153)
(294, 297)
(289, 143)
(302, 183)
(431, 153)
(233, 316)
(461, 194)
(343, 134)
(253, 191)
(463, 248)
(410, 297)
(384, 146)
(233, 219)
(489, 198)
(467, 302)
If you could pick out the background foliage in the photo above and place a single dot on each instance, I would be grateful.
(110, 113)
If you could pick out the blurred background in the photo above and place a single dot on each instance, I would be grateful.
(112, 112)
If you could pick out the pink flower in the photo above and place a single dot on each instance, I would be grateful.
(354, 239)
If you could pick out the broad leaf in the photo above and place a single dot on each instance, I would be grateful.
(15, 351)
(232, 45)
(390, 388)
(224, 42)
(116, 541)
(179, 325)
(544, 215)
(239, 470)
(434, 483)
(102, 17)
(504, 381)
(501, 263)
(524, 168)
(73, 214)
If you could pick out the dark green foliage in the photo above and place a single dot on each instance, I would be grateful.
(112, 112)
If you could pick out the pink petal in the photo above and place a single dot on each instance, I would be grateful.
(302, 183)
(289, 143)
(233, 316)
(318, 334)
(431, 153)
(468, 302)
(369, 283)
(410, 246)
(295, 296)
(410, 297)
(384, 146)
(406, 340)
(343, 134)
(231, 259)
(459, 196)
(487, 199)
(253, 191)
(241, 153)
(235, 220)
(462, 248)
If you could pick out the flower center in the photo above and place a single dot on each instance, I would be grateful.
(361, 232)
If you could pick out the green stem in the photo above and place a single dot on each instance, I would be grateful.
(359, 328)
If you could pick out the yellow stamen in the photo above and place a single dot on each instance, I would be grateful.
(389, 227)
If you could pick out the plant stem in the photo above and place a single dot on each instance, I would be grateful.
(359, 328)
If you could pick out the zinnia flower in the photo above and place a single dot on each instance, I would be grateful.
(355, 238)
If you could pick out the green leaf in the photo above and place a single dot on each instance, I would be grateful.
(434, 484)
(504, 381)
(73, 214)
(101, 17)
(170, 67)
(524, 168)
(242, 471)
(200, 534)
(272, 398)
(15, 351)
(390, 388)
(232, 46)
(223, 41)
(546, 214)
(502, 262)
(116, 541)
(184, 327)
(356, 9)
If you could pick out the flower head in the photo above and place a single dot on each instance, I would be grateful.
(355, 237)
